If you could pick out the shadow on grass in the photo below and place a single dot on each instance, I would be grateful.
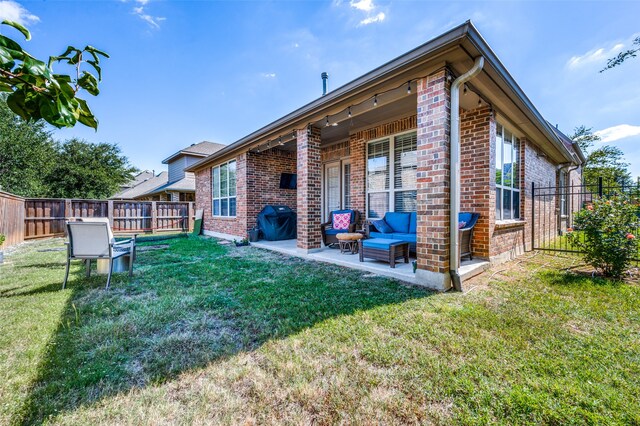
(193, 304)
(577, 278)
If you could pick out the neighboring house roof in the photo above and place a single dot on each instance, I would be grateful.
(143, 188)
(570, 144)
(186, 184)
(456, 48)
(201, 149)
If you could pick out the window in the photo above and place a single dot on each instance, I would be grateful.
(507, 175)
(223, 186)
(392, 175)
(564, 187)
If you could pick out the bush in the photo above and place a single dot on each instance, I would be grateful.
(2, 238)
(605, 232)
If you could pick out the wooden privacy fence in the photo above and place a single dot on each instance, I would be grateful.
(11, 218)
(46, 217)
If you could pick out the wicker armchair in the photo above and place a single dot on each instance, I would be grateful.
(329, 234)
(465, 235)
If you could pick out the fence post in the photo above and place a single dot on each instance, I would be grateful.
(154, 217)
(600, 187)
(110, 212)
(191, 213)
(533, 214)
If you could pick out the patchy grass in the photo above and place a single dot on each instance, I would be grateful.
(206, 333)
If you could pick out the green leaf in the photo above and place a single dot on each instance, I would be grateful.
(25, 32)
(36, 67)
(7, 42)
(95, 66)
(89, 83)
(85, 115)
(94, 51)
(5, 56)
(16, 101)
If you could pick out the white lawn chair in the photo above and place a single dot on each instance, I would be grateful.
(92, 239)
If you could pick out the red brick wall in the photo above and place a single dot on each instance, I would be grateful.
(476, 154)
(334, 152)
(263, 181)
(236, 226)
(309, 195)
(434, 140)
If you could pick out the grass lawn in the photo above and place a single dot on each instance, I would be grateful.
(212, 334)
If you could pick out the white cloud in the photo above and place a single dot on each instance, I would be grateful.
(364, 5)
(615, 133)
(153, 21)
(12, 11)
(269, 75)
(373, 19)
(595, 56)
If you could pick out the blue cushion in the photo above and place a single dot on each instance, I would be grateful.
(382, 226)
(332, 231)
(411, 238)
(379, 235)
(398, 221)
(413, 223)
(464, 217)
(380, 243)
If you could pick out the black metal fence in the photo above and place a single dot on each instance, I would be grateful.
(553, 209)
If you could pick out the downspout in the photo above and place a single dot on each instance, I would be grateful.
(454, 259)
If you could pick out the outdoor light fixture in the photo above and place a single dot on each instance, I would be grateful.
(327, 122)
(409, 87)
(375, 100)
(349, 112)
(279, 140)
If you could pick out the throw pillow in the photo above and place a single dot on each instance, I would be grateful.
(341, 221)
(382, 226)
(461, 225)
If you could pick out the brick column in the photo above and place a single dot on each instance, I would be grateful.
(477, 174)
(433, 199)
(357, 155)
(309, 189)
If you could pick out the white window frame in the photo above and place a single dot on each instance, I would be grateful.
(228, 197)
(514, 137)
(392, 189)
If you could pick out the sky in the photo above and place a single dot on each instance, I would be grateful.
(182, 72)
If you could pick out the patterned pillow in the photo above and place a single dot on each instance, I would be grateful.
(341, 221)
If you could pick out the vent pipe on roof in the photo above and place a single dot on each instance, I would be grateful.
(325, 81)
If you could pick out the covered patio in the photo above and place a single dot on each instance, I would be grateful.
(402, 271)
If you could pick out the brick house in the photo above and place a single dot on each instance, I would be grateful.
(441, 123)
(175, 184)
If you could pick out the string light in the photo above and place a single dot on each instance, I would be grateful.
(375, 100)
(279, 140)
(293, 135)
(349, 112)
(464, 91)
(327, 122)
(479, 101)
(409, 87)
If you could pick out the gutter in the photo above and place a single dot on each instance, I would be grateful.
(454, 259)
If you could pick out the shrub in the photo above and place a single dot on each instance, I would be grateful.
(605, 232)
(2, 238)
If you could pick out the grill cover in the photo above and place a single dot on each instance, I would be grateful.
(277, 223)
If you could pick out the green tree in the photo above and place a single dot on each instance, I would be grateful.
(605, 161)
(623, 56)
(87, 170)
(37, 92)
(27, 153)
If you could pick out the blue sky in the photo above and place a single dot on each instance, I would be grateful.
(185, 71)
